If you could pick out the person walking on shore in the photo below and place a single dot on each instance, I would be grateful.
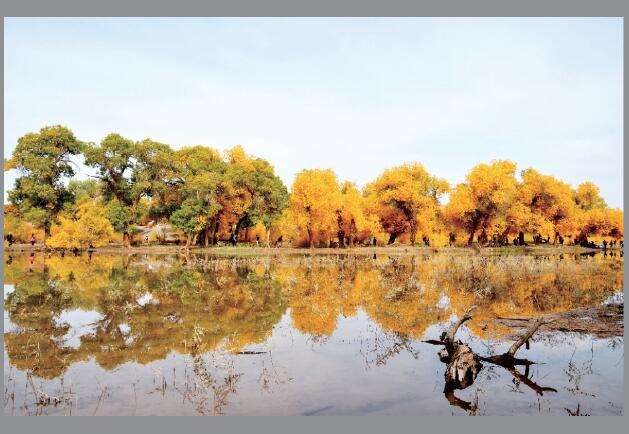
(33, 240)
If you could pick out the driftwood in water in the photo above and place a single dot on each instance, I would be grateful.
(508, 359)
(601, 321)
(463, 364)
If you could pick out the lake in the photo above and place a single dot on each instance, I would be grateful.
(300, 334)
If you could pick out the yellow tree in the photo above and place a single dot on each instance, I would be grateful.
(236, 197)
(483, 199)
(20, 229)
(594, 218)
(615, 222)
(550, 202)
(351, 217)
(588, 196)
(406, 199)
(517, 217)
(314, 201)
(605, 222)
(88, 227)
(284, 227)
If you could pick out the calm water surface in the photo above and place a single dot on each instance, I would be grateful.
(298, 335)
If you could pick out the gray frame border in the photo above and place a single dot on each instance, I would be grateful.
(320, 8)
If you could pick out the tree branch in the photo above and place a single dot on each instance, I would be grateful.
(449, 336)
(530, 383)
(526, 336)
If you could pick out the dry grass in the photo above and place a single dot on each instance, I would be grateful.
(484, 275)
(249, 250)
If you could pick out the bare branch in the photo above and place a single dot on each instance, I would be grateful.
(453, 400)
(530, 383)
(449, 337)
(526, 336)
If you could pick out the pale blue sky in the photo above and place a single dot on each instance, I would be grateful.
(354, 95)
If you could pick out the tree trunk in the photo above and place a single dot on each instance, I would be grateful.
(126, 242)
(463, 365)
(504, 238)
(268, 237)
(310, 238)
(352, 232)
(392, 238)
(470, 239)
(341, 236)
(239, 224)
(413, 234)
(46, 232)
(206, 240)
(214, 232)
(482, 238)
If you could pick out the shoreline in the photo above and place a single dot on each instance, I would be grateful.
(248, 250)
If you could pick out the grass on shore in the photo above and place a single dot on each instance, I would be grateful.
(250, 250)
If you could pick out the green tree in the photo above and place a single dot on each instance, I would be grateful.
(85, 188)
(152, 174)
(237, 191)
(197, 178)
(43, 160)
(121, 218)
(129, 171)
(261, 193)
(188, 218)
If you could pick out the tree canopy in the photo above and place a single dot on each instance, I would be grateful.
(43, 160)
(314, 202)
(208, 196)
(486, 195)
(406, 199)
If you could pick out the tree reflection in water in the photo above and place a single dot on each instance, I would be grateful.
(147, 306)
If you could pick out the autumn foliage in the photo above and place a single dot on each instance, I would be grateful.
(314, 201)
(406, 200)
(195, 310)
(209, 197)
(89, 226)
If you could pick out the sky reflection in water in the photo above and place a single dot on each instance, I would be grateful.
(147, 334)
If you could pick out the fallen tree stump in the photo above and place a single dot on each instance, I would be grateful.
(463, 364)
